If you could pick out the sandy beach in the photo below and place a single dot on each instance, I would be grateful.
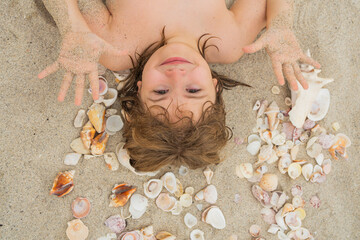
(37, 131)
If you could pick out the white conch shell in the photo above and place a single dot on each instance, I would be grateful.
(197, 234)
(153, 187)
(304, 99)
(138, 205)
(320, 106)
(208, 173)
(190, 220)
(214, 216)
(169, 181)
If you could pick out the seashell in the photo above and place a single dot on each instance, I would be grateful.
(318, 177)
(111, 161)
(80, 118)
(305, 136)
(138, 205)
(262, 196)
(280, 116)
(208, 175)
(78, 146)
(121, 194)
(298, 202)
(153, 187)
(280, 220)
(197, 234)
(214, 216)
(311, 142)
(264, 104)
(284, 163)
(294, 152)
(289, 144)
(200, 195)
(87, 157)
(254, 147)
(96, 116)
(271, 113)
(293, 221)
(335, 126)
(87, 134)
(269, 182)
(133, 235)
(315, 201)
(63, 183)
(237, 198)
(341, 142)
(320, 106)
(165, 202)
(297, 190)
(124, 160)
(189, 190)
(99, 144)
(109, 97)
(318, 169)
(288, 101)
(210, 194)
(266, 136)
(278, 199)
(246, 170)
(72, 159)
(288, 207)
(279, 139)
(309, 124)
(165, 236)
(183, 170)
(254, 230)
(319, 159)
(304, 99)
(296, 134)
(256, 105)
(326, 166)
(273, 157)
(274, 228)
(114, 124)
(265, 154)
(77, 230)
(282, 236)
(186, 200)
(268, 215)
(307, 170)
(80, 207)
(199, 206)
(288, 129)
(179, 189)
(256, 177)
(275, 90)
(300, 212)
(314, 150)
(109, 236)
(169, 182)
(116, 223)
(302, 233)
(294, 170)
(261, 169)
(190, 220)
(147, 233)
(110, 112)
(177, 209)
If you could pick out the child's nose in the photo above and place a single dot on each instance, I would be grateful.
(173, 72)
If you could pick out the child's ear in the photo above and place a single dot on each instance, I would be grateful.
(139, 85)
(215, 81)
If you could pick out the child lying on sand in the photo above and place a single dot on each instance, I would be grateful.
(174, 112)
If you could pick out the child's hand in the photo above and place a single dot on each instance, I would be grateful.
(284, 51)
(79, 55)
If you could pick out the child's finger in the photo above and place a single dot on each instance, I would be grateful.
(49, 70)
(68, 76)
(80, 79)
(110, 49)
(299, 76)
(94, 84)
(290, 77)
(255, 46)
(310, 61)
(277, 66)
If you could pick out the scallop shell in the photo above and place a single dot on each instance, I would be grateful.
(87, 134)
(246, 170)
(165, 236)
(320, 106)
(264, 104)
(116, 223)
(254, 230)
(80, 118)
(208, 173)
(121, 194)
(114, 124)
(271, 113)
(294, 170)
(99, 144)
(77, 230)
(262, 196)
(269, 182)
(72, 159)
(197, 234)
(214, 216)
(78, 146)
(169, 182)
(96, 116)
(138, 205)
(186, 200)
(268, 215)
(177, 209)
(293, 221)
(111, 161)
(133, 235)
(153, 187)
(190, 220)
(183, 170)
(165, 202)
(63, 183)
(307, 170)
(80, 207)
(210, 194)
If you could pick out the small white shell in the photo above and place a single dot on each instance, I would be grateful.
(80, 118)
(280, 220)
(197, 235)
(210, 194)
(78, 146)
(275, 90)
(335, 126)
(298, 202)
(294, 151)
(186, 200)
(296, 190)
(246, 170)
(319, 159)
(189, 190)
(153, 187)
(114, 124)
(293, 221)
(200, 195)
(138, 205)
(311, 142)
(169, 181)
(294, 170)
(177, 209)
(307, 170)
(183, 170)
(208, 173)
(165, 202)
(314, 150)
(264, 104)
(254, 230)
(320, 106)
(284, 163)
(214, 216)
(326, 166)
(199, 206)
(256, 105)
(268, 215)
(274, 228)
(253, 147)
(279, 139)
(110, 97)
(72, 159)
(190, 220)
(111, 161)
(318, 169)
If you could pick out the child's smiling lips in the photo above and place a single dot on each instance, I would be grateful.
(175, 60)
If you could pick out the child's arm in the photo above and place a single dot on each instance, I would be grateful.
(80, 50)
(281, 44)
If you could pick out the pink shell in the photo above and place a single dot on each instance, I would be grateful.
(309, 124)
(116, 223)
(288, 129)
(80, 207)
(296, 190)
(262, 196)
(297, 133)
(315, 201)
(326, 140)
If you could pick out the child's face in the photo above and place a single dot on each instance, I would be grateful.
(177, 77)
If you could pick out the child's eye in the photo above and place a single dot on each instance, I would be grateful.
(191, 90)
(161, 92)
